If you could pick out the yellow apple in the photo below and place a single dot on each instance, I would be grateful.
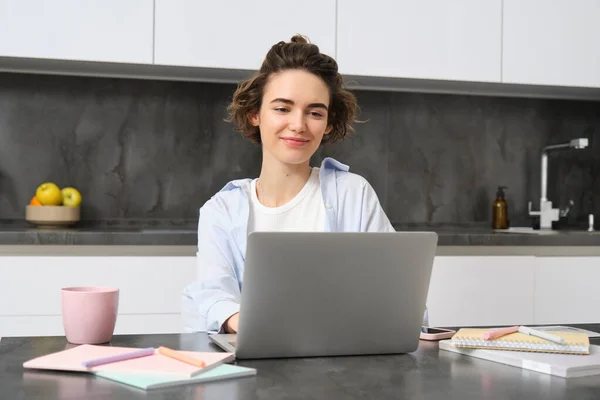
(49, 194)
(71, 197)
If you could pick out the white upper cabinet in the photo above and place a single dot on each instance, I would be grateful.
(92, 30)
(428, 39)
(237, 34)
(552, 42)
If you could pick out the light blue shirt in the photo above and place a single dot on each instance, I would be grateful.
(351, 205)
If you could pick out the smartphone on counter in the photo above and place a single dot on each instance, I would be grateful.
(428, 333)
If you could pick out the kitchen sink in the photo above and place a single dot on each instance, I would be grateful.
(526, 230)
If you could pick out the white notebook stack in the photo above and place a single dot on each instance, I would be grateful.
(563, 365)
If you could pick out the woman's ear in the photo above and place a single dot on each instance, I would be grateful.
(254, 119)
(328, 129)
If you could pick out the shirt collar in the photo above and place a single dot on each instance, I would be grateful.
(328, 163)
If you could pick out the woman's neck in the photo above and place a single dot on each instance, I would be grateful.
(279, 183)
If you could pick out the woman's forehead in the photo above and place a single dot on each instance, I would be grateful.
(299, 86)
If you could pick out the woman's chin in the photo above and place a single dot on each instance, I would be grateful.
(295, 156)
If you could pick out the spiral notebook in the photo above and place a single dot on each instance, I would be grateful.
(576, 343)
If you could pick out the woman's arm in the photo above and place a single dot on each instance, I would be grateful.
(215, 296)
(231, 325)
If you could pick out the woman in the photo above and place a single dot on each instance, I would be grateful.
(291, 106)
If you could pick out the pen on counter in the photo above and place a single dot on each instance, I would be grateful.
(181, 357)
(500, 332)
(540, 334)
(119, 357)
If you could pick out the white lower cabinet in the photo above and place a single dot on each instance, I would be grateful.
(507, 290)
(481, 290)
(567, 290)
(464, 291)
(149, 299)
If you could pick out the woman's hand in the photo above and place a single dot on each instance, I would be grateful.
(231, 325)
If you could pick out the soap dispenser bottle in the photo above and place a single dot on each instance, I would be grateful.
(500, 210)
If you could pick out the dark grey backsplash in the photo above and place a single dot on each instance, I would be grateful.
(153, 149)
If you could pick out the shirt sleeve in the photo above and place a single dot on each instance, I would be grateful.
(373, 218)
(215, 296)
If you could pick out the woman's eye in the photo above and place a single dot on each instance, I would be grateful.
(316, 114)
(281, 109)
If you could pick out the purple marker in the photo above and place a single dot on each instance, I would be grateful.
(119, 357)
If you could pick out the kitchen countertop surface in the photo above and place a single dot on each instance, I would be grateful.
(427, 373)
(184, 233)
(108, 232)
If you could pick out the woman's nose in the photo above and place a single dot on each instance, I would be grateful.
(297, 121)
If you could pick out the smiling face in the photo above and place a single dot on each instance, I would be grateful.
(293, 116)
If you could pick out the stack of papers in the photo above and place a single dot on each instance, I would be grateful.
(563, 365)
(148, 372)
(554, 350)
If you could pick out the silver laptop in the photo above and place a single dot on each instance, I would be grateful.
(328, 294)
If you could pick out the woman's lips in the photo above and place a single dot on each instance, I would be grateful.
(294, 142)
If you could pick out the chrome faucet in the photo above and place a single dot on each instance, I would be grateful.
(546, 213)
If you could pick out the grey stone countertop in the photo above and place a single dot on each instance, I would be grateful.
(427, 373)
(106, 232)
(184, 233)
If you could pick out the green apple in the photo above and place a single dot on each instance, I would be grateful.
(71, 197)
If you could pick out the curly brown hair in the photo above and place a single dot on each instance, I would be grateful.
(302, 55)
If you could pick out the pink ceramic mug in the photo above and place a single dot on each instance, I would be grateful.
(89, 313)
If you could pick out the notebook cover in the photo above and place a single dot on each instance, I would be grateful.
(147, 382)
(562, 365)
(157, 364)
(576, 343)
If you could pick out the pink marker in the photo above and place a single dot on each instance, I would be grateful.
(500, 332)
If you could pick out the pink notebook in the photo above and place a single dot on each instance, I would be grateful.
(157, 364)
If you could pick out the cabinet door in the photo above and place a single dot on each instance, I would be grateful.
(478, 291)
(567, 290)
(95, 30)
(551, 42)
(149, 291)
(431, 39)
(237, 34)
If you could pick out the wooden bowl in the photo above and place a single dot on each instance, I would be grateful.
(52, 215)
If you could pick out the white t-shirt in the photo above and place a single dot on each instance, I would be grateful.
(304, 213)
